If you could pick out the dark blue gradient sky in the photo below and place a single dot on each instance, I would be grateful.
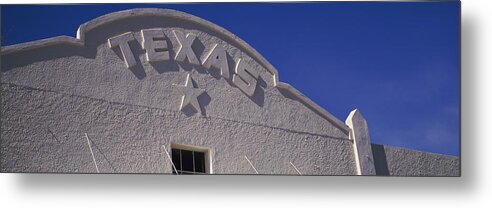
(398, 62)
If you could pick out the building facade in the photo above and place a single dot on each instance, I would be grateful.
(161, 91)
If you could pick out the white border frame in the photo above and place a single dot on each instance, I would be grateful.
(206, 150)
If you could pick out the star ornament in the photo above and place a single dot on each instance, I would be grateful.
(189, 94)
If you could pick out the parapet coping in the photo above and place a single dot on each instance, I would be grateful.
(108, 18)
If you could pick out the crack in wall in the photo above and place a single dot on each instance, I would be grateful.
(173, 112)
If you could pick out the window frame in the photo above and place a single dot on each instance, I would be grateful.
(206, 151)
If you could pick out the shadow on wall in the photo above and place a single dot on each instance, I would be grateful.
(380, 162)
(204, 100)
(102, 153)
(100, 35)
(24, 58)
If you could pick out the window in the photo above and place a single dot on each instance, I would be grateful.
(189, 161)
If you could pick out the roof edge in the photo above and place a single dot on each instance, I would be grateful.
(111, 17)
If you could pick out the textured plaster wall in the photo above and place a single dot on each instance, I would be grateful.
(52, 95)
(405, 162)
(42, 131)
(99, 72)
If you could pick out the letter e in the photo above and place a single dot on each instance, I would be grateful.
(155, 44)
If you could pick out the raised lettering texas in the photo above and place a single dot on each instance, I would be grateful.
(155, 45)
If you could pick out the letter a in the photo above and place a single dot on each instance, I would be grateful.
(217, 58)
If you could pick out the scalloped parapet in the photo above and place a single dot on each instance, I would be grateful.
(137, 80)
(121, 15)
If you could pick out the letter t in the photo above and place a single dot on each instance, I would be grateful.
(122, 41)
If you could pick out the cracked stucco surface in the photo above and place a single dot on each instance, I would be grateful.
(52, 95)
(43, 132)
(405, 162)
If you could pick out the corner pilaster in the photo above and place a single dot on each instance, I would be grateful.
(359, 134)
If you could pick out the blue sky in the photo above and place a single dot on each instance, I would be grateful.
(398, 62)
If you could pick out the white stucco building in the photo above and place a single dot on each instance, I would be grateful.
(161, 91)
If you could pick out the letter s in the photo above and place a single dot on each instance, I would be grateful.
(245, 78)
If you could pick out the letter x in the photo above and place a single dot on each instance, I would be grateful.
(185, 49)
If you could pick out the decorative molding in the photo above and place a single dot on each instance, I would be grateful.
(109, 18)
(189, 94)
